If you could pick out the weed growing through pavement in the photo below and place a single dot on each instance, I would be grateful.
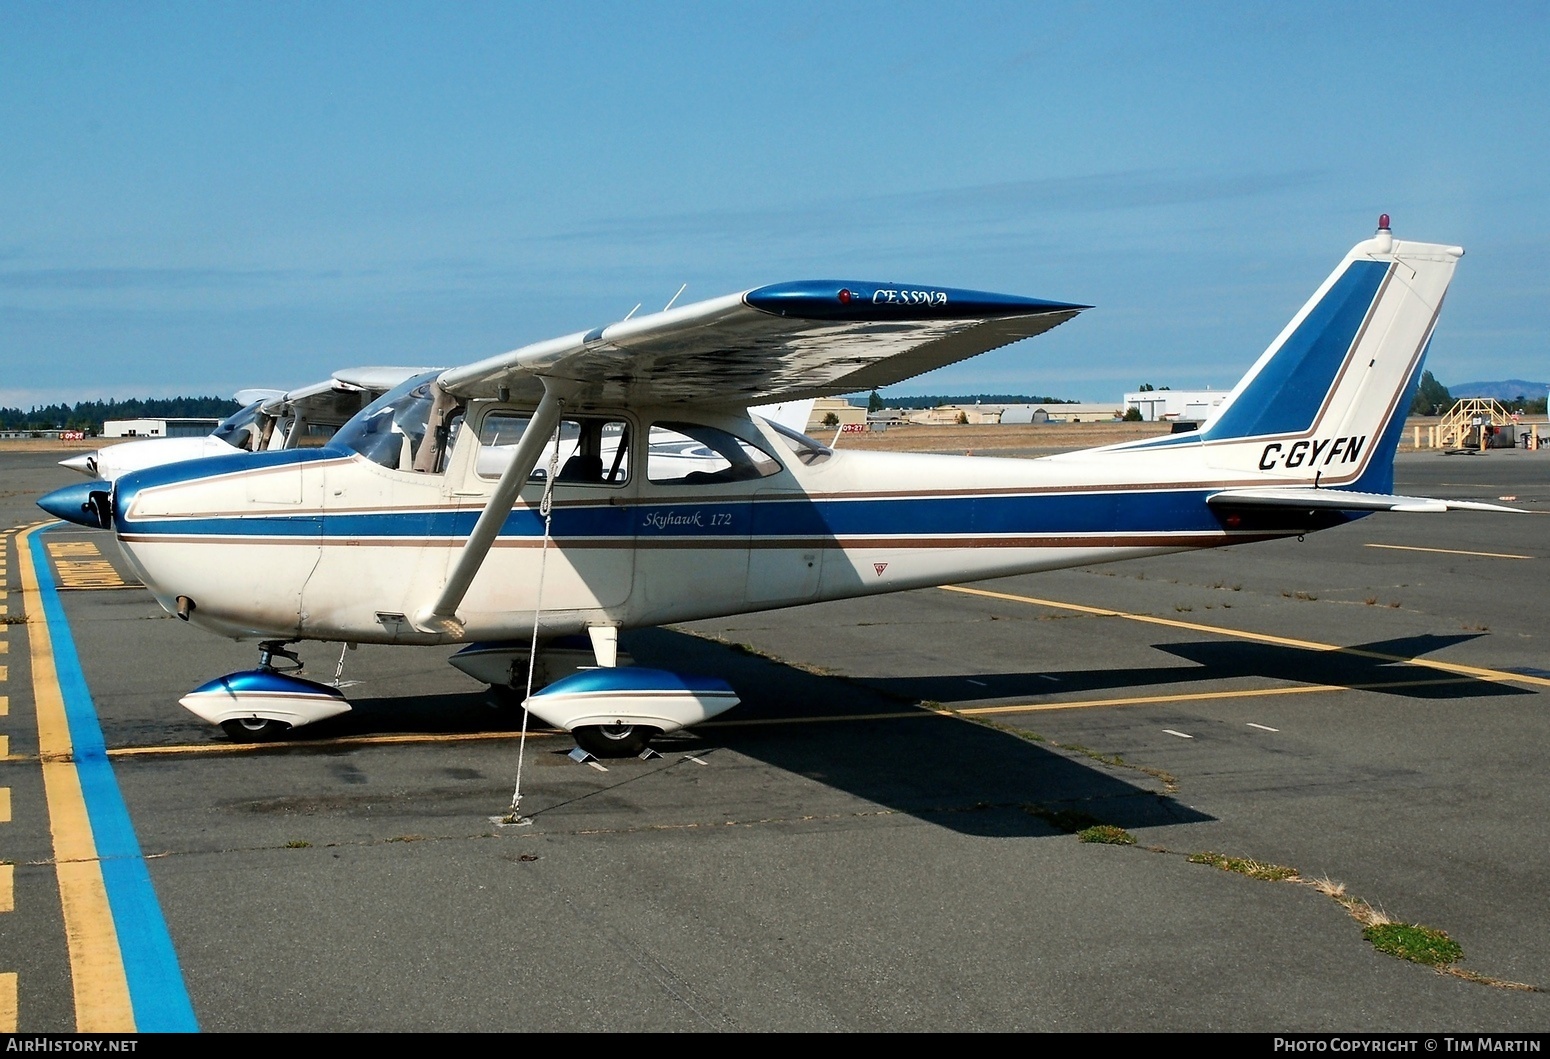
(1254, 869)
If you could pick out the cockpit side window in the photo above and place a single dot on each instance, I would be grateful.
(696, 454)
(591, 451)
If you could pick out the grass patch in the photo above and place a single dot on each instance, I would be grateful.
(13, 619)
(298, 843)
(1254, 869)
(1410, 941)
(1070, 821)
(1082, 824)
(1107, 834)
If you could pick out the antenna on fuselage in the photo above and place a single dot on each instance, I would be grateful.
(674, 298)
(632, 312)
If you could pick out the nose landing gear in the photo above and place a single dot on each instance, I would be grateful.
(263, 704)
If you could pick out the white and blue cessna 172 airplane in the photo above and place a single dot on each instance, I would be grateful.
(428, 520)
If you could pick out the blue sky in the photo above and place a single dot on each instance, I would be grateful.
(200, 197)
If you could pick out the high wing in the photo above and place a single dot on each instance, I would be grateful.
(785, 342)
(1312, 499)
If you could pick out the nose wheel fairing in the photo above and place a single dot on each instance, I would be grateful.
(261, 703)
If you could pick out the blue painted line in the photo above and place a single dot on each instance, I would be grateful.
(156, 988)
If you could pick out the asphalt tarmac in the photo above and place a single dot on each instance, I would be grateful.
(881, 837)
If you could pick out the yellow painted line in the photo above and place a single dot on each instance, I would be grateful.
(58, 548)
(1451, 551)
(5, 673)
(837, 718)
(1200, 696)
(5, 805)
(8, 1002)
(79, 564)
(89, 575)
(5, 746)
(4, 647)
(5, 705)
(7, 887)
(343, 741)
(1499, 675)
(102, 1002)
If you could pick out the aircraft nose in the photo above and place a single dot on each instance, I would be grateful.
(85, 504)
(86, 463)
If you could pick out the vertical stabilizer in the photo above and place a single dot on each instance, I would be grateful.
(1326, 402)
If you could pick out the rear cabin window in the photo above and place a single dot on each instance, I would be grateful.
(695, 454)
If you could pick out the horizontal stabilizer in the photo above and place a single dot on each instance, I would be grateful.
(1311, 498)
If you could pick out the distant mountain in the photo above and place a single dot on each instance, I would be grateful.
(1507, 390)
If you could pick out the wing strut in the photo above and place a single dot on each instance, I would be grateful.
(441, 616)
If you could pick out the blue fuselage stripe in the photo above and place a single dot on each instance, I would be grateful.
(156, 987)
(1105, 513)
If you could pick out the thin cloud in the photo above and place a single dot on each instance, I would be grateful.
(111, 278)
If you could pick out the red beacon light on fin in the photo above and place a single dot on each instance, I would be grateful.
(1383, 222)
(845, 296)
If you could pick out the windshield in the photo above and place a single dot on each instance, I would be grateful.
(390, 429)
(239, 430)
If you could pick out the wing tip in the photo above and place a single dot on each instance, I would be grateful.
(865, 300)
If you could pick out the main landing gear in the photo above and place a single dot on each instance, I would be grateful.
(588, 687)
(614, 740)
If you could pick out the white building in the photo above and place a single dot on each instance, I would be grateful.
(1175, 404)
(852, 417)
(158, 428)
(1061, 413)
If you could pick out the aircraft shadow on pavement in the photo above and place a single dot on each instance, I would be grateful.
(1388, 675)
(1217, 660)
(472, 713)
(883, 747)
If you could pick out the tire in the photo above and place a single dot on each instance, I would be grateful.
(255, 729)
(614, 740)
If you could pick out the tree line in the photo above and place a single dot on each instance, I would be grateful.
(876, 402)
(90, 415)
